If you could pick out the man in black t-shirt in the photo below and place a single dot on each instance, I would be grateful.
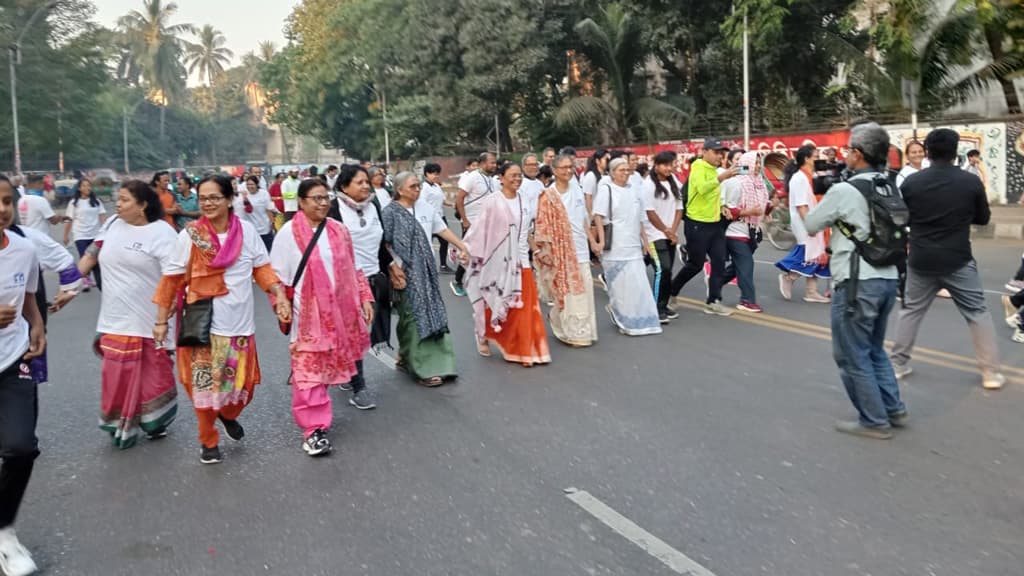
(944, 202)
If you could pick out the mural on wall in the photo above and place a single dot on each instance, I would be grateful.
(987, 137)
(1015, 162)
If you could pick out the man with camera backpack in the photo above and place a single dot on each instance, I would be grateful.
(944, 202)
(866, 241)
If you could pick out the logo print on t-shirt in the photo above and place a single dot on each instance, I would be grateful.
(19, 279)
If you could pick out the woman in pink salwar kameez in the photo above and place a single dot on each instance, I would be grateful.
(332, 310)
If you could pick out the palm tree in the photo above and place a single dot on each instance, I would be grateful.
(154, 48)
(208, 56)
(612, 43)
(266, 50)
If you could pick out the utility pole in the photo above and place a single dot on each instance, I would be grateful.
(14, 57)
(746, 84)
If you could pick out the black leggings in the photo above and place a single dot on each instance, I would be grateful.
(665, 254)
(19, 409)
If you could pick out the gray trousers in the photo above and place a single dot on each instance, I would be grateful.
(968, 295)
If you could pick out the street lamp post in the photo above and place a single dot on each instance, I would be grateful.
(14, 57)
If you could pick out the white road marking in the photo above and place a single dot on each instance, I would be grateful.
(679, 563)
(383, 357)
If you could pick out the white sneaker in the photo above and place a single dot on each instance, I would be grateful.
(14, 558)
(786, 286)
(902, 370)
(993, 381)
(717, 309)
(1018, 334)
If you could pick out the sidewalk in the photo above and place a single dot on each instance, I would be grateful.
(1007, 223)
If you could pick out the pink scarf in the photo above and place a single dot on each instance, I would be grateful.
(755, 193)
(331, 318)
(225, 255)
(209, 259)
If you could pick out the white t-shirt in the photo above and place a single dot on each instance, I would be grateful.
(260, 205)
(477, 186)
(576, 207)
(530, 191)
(85, 219)
(428, 217)
(665, 208)
(636, 180)
(285, 256)
(233, 312)
(904, 173)
(434, 195)
(35, 212)
(800, 194)
(523, 217)
(133, 259)
(365, 238)
(628, 215)
(732, 197)
(383, 196)
(52, 255)
(19, 273)
(589, 183)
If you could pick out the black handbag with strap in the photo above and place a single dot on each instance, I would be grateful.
(608, 226)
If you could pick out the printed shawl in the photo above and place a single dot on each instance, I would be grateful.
(555, 257)
(209, 258)
(404, 236)
(494, 275)
(755, 193)
(331, 318)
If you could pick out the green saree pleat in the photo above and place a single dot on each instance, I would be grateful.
(424, 359)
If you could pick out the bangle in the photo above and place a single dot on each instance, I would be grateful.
(161, 324)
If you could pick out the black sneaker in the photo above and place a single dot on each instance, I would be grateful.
(317, 444)
(446, 270)
(362, 400)
(671, 314)
(210, 455)
(158, 435)
(663, 318)
(233, 428)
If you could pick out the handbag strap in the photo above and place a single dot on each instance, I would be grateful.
(307, 252)
(609, 202)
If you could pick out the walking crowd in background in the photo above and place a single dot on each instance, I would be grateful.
(340, 253)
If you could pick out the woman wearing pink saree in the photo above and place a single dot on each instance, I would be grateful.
(333, 309)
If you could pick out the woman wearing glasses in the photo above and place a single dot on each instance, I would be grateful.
(359, 210)
(333, 308)
(217, 257)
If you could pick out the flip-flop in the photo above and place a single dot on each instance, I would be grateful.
(432, 382)
(484, 349)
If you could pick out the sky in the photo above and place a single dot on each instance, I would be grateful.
(244, 23)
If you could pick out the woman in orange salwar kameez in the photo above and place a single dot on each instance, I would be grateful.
(217, 257)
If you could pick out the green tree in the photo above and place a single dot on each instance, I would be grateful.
(612, 43)
(208, 56)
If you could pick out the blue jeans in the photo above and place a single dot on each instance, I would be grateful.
(741, 268)
(858, 348)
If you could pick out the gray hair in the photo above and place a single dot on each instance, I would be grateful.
(402, 179)
(562, 157)
(617, 162)
(873, 142)
(529, 155)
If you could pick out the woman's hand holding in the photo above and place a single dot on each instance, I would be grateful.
(368, 312)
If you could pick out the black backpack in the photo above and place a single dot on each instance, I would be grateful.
(886, 244)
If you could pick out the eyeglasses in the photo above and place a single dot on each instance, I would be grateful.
(319, 199)
(211, 199)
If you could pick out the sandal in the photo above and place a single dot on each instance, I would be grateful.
(432, 382)
(484, 348)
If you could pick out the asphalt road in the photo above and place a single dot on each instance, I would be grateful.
(715, 437)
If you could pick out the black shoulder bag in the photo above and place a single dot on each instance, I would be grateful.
(608, 225)
(196, 319)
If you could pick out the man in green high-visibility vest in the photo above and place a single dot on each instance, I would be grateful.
(705, 235)
(290, 193)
